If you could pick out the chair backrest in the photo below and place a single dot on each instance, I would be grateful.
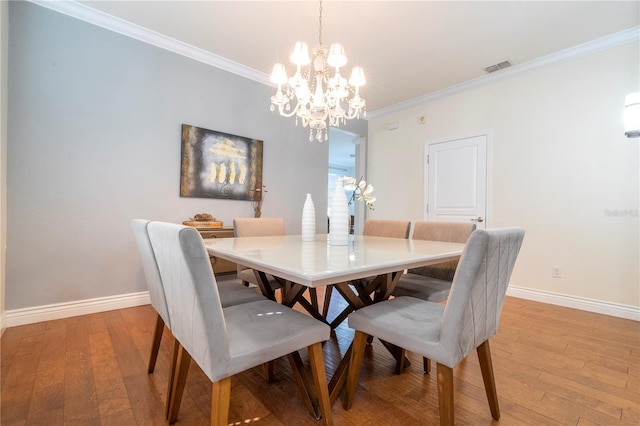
(193, 300)
(451, 232)
(386, 228)
(150, 267)
(258, 227)
(473, 309)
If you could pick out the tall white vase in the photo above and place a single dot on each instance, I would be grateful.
(308, 220)
(339, 220)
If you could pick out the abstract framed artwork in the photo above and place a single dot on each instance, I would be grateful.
(220, 165)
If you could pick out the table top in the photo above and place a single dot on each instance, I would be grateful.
(318, 263)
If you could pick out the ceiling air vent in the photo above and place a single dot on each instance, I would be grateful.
(496, 67)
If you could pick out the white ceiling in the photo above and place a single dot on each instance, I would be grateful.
(408, 48)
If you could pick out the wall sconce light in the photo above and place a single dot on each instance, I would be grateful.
(632, 115)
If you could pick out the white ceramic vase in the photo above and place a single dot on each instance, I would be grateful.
(308, 220)
(339, 220)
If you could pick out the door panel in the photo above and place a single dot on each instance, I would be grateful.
(457, 180)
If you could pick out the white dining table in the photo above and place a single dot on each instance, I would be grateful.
(318, 263)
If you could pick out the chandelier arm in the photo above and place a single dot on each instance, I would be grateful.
(291, 114)
(356, 113)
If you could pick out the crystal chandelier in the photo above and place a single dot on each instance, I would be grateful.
(318, 97)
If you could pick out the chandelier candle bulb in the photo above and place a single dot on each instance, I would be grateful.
(279, 75)
(300, 55)
(357, 78)
(337, 58)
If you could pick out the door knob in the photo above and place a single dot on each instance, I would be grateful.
(478, 219)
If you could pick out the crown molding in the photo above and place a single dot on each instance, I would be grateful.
(126, 28)
(607, 42)
(104, 20)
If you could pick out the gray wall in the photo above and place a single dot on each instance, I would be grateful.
(4, 50)
(94, 141)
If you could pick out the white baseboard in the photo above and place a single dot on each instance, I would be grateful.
(584, 304)
(55, 311)
(35, 314)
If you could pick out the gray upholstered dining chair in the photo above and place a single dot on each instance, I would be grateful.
(387, 228)
(447, 334)
(375, 228)
(231, 293)
(154, 285)
(258, 227)
(432, 282)
(226, 341)
(451, 232)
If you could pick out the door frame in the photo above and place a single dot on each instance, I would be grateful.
(361, 170)
(489, 192)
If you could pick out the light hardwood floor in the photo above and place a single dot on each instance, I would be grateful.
(553, 366)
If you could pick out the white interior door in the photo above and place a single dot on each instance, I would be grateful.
(456, 173)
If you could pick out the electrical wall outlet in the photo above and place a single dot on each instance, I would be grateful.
(556, 272)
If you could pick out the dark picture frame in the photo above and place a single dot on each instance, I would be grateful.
(220, 165)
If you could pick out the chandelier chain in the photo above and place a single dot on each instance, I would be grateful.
(320, 25)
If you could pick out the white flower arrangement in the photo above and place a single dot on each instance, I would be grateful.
(361, 190)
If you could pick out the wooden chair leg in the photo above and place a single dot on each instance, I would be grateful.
(172, 370)
(327, 299)
(155, 346)
(180, 379)
(426, 365)
(316, 359)
(268, 371)
(400, 360)
(220, 399)
(486, 367)
(445, 394)
(357, 353)
(306, 390)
